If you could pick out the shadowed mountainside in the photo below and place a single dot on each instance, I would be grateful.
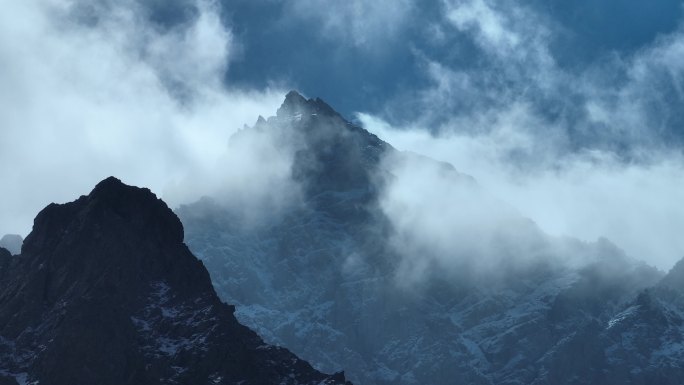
(106, 292)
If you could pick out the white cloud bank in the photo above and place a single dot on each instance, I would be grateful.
(637, 206)
(84, 100)
(525, 157)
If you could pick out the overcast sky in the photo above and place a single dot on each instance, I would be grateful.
(572, 112)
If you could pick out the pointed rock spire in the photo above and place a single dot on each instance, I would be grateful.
(295, 104)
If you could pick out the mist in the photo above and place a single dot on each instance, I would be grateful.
(584, 151)
(587, 195)
(97, 89)
(92, 89)
(252, 178)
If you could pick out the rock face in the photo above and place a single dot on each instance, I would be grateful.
(12, 243)
(106, 292)
(321, 279)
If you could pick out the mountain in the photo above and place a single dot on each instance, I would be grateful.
(326, 278)
(106, 292)
(12, 243)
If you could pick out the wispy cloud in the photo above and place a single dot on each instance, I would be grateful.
(364, 24)
(585, 152)
(106, 92)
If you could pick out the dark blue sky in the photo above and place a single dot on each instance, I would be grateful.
(431, 62)
(276, 47)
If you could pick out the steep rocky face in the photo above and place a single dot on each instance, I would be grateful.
(321, 279)
(106, 292)
(330, 153)
(12, 242)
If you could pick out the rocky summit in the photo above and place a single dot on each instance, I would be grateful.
(106, 292)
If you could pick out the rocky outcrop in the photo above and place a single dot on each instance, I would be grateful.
(106, 292)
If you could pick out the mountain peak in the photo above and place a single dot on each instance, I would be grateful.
(109, 183)
(293, 97)
(295, 104)
(111, 295)
(111, 204)
(114, 190)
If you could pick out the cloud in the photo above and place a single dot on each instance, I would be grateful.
(645, 106)
(585, 152)
(362, 24)
(253, 178)
(446, 225)
(92, 89)
(107, 92)
(488, 25)
(443, 219)
(624, 104)
(635, 205)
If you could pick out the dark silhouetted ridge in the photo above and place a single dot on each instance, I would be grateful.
(106, 292)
